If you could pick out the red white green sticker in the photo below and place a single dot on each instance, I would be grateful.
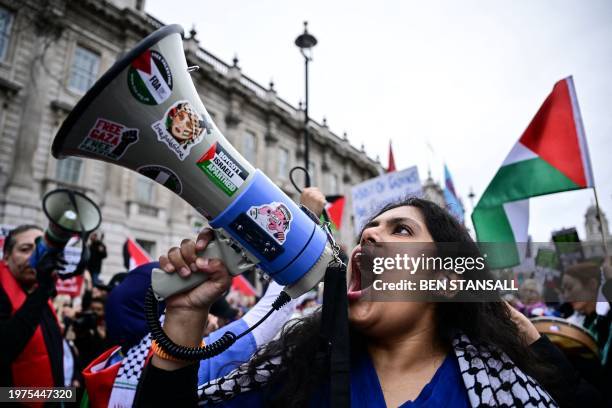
(221, 168)
(149, 78)
(109, 139)
(274, 218)
(181, 128)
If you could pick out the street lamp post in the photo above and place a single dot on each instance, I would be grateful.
(305, 42)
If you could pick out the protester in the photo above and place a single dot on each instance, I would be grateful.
(223, 312)
(580, 285)
(90, 331)
(31, 340)
(112, 378)
(97, 253)
(100, 291)
(308, 305)
(530, 295)
(434, 354)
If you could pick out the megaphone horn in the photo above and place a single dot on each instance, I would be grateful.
(145, 114)
(69, 213)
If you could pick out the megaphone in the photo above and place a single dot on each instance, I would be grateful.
(145, 114)
(69, 213)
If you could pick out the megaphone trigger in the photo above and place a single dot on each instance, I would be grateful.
(236, 260)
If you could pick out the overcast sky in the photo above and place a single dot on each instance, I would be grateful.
(466, 76)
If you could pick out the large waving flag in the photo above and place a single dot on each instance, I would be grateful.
(550, 157)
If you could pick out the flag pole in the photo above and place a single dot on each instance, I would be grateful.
(599, 218)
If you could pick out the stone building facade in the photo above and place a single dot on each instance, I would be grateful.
(52, 51)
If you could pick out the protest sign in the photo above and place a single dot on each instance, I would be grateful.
(372, 195)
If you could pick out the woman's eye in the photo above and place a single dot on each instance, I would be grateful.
(403, 230)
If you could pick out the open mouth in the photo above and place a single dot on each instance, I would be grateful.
(354, 284)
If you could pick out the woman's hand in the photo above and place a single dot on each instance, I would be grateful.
(187, 313)
(313, 199)
(185, 261)
(526, 328)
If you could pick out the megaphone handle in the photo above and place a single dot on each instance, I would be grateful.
(165, 284)
(168, 284)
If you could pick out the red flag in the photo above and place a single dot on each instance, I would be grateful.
(242, 285)
(391, 166)
(135, 254)
(335, 209)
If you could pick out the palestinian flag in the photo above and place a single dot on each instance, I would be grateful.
(134, 255)
(334, 208)
(150, 78)
(550, 157)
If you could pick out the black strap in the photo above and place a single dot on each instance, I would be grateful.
(335, 334)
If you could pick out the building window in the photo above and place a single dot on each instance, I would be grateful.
(6, 21)
(84, 69)
(144, 190)
(148, 246)
(282, 169)
(332, 183)
(68, 170)
(250, 148)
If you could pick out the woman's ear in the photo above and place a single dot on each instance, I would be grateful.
(447, 276)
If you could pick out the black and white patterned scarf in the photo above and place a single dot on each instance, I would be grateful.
(493, 380)
(490, 377)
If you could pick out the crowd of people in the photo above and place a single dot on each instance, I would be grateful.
(414, 353)
(50, 338)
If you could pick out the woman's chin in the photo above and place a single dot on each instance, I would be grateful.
(360, 313)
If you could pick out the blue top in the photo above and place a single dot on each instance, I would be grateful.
(446, 389)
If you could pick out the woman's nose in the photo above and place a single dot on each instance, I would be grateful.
(370, 235)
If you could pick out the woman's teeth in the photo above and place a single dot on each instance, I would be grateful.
(355, 282)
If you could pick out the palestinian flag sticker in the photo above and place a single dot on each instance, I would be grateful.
(163, 176)
(222, 169)
(149, 78)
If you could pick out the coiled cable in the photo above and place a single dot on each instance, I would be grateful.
(209, 350)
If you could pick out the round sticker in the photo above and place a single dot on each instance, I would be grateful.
(149, 78)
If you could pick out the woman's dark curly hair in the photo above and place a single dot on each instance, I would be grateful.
(304, 368)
